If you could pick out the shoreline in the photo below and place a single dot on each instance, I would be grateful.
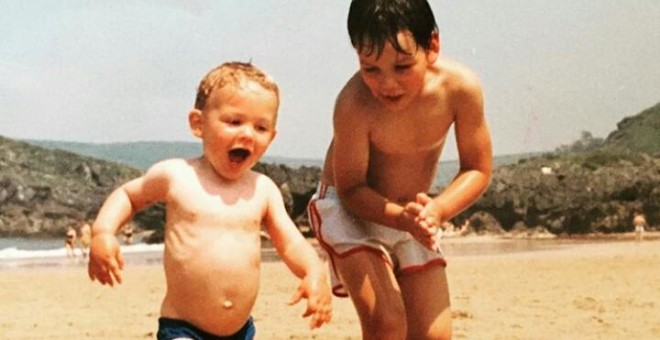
(453, 247)
(593, 290)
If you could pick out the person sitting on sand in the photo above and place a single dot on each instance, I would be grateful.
(216, 206)
(70, 242)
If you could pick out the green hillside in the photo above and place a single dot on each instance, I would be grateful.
(137, 154)
(639, 133)
(142, 155)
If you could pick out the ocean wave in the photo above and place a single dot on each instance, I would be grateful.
(12, 253)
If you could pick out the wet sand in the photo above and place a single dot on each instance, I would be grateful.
(567, 290)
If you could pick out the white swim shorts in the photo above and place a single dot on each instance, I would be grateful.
(340, 235)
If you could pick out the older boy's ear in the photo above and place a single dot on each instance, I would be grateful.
(195, 122)
(434, 48)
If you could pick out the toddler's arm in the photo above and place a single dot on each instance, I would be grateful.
(105, 260)
(301, 258)
(314, 286)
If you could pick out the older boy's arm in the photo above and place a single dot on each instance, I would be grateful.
(351, 162)
(302, 259)
(475, 157)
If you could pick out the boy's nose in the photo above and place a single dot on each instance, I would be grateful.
(247, 132)
(389, 84)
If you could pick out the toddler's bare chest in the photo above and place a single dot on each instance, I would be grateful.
(214, 209)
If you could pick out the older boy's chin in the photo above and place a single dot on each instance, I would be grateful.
(394, 106)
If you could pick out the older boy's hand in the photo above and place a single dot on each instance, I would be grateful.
(431, 215)
(105, 260)
(421, 229)
(315, 288)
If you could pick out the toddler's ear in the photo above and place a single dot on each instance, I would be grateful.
(195, 122)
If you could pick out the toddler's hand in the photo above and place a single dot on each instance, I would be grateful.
(316, 290)
(105, 260)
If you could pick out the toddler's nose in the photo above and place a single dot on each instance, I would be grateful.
(247, 133)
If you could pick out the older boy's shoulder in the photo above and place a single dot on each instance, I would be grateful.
(355, 95)
(458, 76)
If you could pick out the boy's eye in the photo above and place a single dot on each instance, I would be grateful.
(262, 128)
(370, 69)
(402, 67)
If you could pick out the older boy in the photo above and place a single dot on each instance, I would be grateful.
(371, 212)
(215, 208)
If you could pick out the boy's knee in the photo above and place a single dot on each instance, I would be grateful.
(434, 334)
(437, 327)
(440, 329)
(388, 325)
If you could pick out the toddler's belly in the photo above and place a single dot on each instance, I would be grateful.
(212, 285)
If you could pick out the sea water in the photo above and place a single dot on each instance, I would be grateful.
(29, 253)
(24, 253)
(17, 253)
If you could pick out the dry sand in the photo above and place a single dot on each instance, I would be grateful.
(605, 290)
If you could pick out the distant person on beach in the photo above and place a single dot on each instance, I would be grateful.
(70, 241)
(127, 232)
(85, 238)
(371, 212)
(216, 206)
(639, 221)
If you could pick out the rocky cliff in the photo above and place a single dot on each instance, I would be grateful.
(43, 190)
(597, 190)
(571, 194)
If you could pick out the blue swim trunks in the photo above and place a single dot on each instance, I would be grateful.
(169, 329)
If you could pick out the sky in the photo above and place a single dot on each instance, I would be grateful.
(121, 71)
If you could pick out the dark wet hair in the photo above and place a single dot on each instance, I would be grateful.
(372, 23)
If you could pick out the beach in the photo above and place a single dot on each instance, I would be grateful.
(575, 290)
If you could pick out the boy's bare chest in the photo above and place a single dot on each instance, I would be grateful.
(227, 208)
(412, 133)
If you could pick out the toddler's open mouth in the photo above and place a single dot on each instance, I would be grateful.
(238, 155)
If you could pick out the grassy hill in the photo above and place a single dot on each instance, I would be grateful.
(640, 133)
(142, 155)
